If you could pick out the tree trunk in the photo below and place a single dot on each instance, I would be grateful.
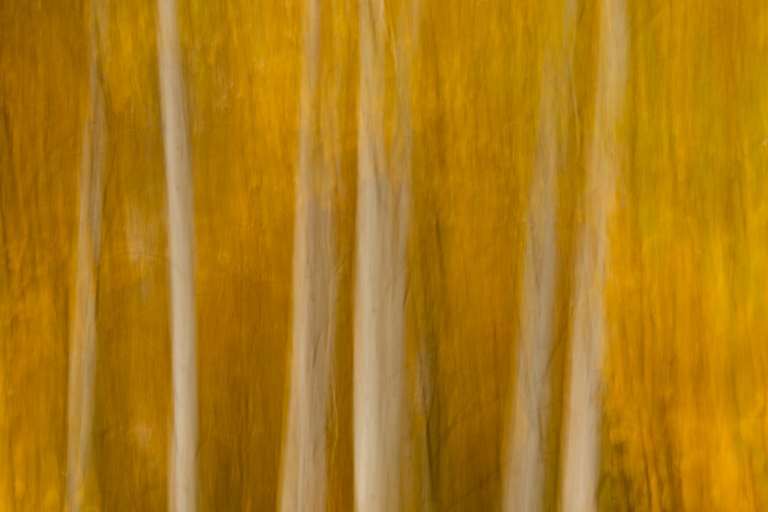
(315, 285)
(82, 357)
(581, 463)
(382, 218)
(183, 471)
(529, 424)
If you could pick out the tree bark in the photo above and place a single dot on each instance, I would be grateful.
(382, 220)
(183, 471)
(315, 284)
(581, 460)
(82, 357)
(529, 423)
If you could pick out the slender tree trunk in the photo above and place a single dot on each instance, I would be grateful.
(315, 285)
(526, 452)
(82, 358)
(377, 354)
(581, 464)
(183, 471)
(382, 219)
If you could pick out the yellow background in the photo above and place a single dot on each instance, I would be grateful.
(686, 370)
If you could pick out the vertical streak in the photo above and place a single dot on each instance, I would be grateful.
(372, 461)
(315, 283)
(382, 210)
(526, 452)
(183, 471)
(82, 360)
(581, 463)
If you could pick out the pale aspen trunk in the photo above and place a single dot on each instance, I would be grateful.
(526, 451)
(315, 283)
(82, 356)
(183, 491)
(581, 456)
(524, 468)
(382, 220)
(377, 387)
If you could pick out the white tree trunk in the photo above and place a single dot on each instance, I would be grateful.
(82, 357)
(581, 463)
(529, 423)
(382, 219)
(183, 470)
(315, 283)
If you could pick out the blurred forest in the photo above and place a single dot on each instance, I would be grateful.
(683, 379)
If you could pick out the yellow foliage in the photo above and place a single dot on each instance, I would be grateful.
(686, 369)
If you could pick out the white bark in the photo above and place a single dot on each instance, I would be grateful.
(315, 284)
(183, 471)
(382, 219)
(82, 358)
(526, 452)
(581, 462)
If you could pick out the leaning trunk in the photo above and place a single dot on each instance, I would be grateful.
(581, 463)
(82, 358)
(183, 472)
